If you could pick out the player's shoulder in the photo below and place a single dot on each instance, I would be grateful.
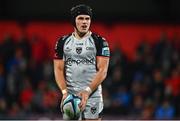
(97, 37)
(61, 40)
(64, 37)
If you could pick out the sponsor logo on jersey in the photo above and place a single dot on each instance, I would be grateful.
(105, 51)
(89, 48)
(79, 43)
(78, 50)
(71, 61)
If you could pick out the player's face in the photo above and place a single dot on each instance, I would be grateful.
(83, 23)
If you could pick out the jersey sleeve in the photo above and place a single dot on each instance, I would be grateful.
(102, 47)
(59, 52)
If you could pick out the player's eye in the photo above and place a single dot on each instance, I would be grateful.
(87, 18)
(80, 18)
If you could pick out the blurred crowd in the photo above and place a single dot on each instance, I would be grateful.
(146, 87)
(27, 85)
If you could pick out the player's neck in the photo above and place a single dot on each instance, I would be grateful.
(80, 35)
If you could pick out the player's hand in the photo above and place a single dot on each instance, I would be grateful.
(84, 97)
(62, 100)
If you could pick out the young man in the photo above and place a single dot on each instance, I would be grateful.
(81, 63)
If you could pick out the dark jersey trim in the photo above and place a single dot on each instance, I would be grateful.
(59, 52)
(100, 43)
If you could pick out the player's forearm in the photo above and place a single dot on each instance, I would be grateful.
(60, 80)
(102, 65)
(59, 75)
(98, 79)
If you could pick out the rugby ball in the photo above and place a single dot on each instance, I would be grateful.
(70, 107)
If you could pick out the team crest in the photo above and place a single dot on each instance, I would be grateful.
(79, 50)
(93, 110)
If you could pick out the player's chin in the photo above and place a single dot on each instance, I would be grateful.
(84, 31)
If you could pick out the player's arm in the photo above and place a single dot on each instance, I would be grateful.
(59, 65)
(103, 54)
(102, 68)
(59, 68)
(102, 63)
(59, 75)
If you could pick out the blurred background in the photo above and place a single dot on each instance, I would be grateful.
(143, 80)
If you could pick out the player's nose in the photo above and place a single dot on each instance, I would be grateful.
(84, 21)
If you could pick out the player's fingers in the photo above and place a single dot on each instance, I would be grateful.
(83, 106)
(80, 95)
(61, 105)
(82, 103)
(62, 100)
